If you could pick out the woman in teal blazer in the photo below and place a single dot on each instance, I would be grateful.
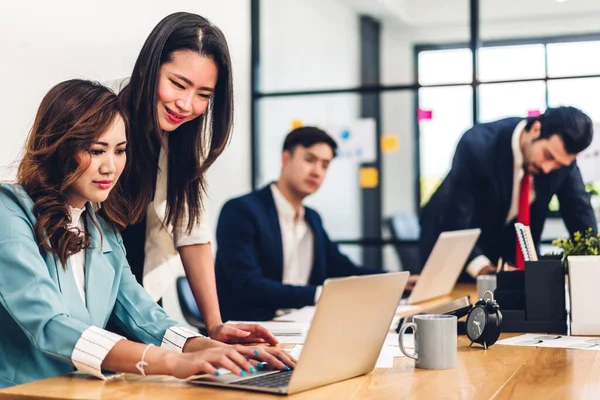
(64, 270)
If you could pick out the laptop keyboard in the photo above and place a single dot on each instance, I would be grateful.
(279, 379)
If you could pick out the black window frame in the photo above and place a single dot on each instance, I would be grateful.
(474, 43)
(475, 82)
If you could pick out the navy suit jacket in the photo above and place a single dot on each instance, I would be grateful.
(477, 193)
(249, 262)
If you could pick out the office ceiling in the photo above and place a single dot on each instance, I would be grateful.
(424, 13)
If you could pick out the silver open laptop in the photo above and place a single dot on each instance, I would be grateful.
(346, 335)
(444, 265)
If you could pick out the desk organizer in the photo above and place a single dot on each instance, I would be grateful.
(533, 300)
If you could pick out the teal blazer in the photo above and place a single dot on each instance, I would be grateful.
(41, 312)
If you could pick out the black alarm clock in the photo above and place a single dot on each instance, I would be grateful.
(484, 321)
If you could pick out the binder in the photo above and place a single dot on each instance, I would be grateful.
(526, 242)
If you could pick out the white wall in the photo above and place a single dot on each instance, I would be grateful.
(308, 44)
(45, 42)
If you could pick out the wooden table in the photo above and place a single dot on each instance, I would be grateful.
(502, 372)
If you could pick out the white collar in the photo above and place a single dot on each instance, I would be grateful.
(284, 207)
(75, 216)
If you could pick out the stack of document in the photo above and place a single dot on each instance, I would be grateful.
(306, 314)
(302, 315)
(280, 328)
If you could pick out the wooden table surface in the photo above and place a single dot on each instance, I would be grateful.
(501, 372)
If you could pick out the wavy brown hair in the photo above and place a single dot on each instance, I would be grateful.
(71, 117)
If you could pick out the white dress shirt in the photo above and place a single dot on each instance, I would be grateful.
(481, 261)
(95, 343)
(297, 240)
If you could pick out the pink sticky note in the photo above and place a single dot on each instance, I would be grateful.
(533, 113)
(424, 114)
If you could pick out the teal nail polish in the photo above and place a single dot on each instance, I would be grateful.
(256, 352)
(253, 370)
(217, 373)
(260, 366)
(287, 368)
(242, 372)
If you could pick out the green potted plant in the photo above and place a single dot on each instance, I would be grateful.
(586, 244)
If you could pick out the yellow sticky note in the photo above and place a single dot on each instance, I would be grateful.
(389, 143)
(369, 177)
(297, 123)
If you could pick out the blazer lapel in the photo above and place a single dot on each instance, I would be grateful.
(273, 223)
(505, 161)
(318, 273)
(99, 276)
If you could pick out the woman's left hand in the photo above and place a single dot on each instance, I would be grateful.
(242, 333)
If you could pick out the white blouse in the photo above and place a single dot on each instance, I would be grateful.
(200, 234)
(76, 261)
(162, 263)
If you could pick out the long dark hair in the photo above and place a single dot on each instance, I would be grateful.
(195, 145)
(71, 117)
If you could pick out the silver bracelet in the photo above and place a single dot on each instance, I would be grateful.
(141, 364)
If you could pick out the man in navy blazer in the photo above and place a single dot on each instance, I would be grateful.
(272, 252)
(483, 187)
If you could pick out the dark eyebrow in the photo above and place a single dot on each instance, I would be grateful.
(317, 157)
(106, 144)
(186, 80)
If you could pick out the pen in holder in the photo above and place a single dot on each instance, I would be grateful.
(510, 292)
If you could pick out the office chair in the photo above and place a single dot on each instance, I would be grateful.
(188, 305)
(405, 226)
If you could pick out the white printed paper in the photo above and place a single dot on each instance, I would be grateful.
(554, 341)
(356, 140)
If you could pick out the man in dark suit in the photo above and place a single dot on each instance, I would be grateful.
(508, 171)
(272, 252)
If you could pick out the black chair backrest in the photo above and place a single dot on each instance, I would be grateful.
(189, 308)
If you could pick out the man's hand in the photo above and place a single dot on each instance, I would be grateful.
(487, 270)
(412, 281)
(491, 270)
(242, 333)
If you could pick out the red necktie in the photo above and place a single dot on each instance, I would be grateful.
(523, 216)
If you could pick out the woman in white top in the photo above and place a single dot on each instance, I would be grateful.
(64, 270)
(180, 101)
